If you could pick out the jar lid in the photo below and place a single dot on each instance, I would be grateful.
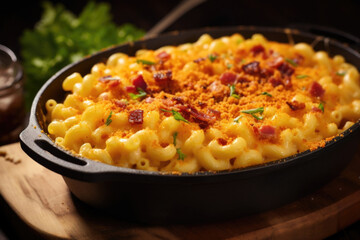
(10, 70)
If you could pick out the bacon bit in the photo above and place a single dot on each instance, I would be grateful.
(252, 68)
(104, 136)
(256, 130)
(238, 60)
(257, 49)
(120, 103)
(149, 99)
(243, 80)
(114, 83)
(228, 78)
(199, 60)
(202, 104)
(316, 90)
(316, 109)
(167, 103)
(162, 77)
(298, 59)
(285, 69)
(295, 105)
(240, 54)
(287, 83)
(130, 89)
(188, 112)
(276, 62)
(179, 100)
(139, 82)
(163, 56)
(266, 72)
(201, 116)
(267, 131)
(275, 81)
(136, 116)
(214, 112)
(217, 88)
(184, 110)
(221, 141)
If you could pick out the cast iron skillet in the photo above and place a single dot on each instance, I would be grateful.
(157, 197)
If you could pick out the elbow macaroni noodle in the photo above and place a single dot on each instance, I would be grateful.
(215, 104)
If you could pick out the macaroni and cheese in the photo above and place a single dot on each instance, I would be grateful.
(215, 104)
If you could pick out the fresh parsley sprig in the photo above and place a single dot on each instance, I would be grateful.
(181, 155)
(254, 111)
(174, 138)
(301, 76)
(141, 93)
(108, 120)
(321, 106)
(237, 118)
(176, 115)
(229, 65)
(266, 94)
(340, 73)
(292, 62)
(233, 92)
(212, 57)
(145, 62)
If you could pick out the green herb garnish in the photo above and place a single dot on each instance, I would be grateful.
(212, 57)
(266, 94)
(341, 73)
(301, 76)
(108, 120)
(321, 106)
(233, 92)
(145, 62)
(291, 62)
(141, 93)
(257, 117)
(174, 138)
(229, 65)
(176, 115)
(66, 38)
(237, 119)
(181, 155)
(253, 112)
(239, 41)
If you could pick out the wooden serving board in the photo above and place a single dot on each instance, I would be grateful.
(42, 200)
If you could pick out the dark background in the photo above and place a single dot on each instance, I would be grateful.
(15, 16)
(338, 14)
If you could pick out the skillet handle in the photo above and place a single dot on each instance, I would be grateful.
(337, 34)
(41, 149)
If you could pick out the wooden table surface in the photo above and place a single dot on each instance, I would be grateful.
(41, 200)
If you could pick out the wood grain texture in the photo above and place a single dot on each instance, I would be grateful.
(42, 200)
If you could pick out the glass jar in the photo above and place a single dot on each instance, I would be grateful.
(12, 107)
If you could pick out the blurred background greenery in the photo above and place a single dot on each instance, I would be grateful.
(60, 38)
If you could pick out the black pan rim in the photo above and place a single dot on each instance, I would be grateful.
(272, 165)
